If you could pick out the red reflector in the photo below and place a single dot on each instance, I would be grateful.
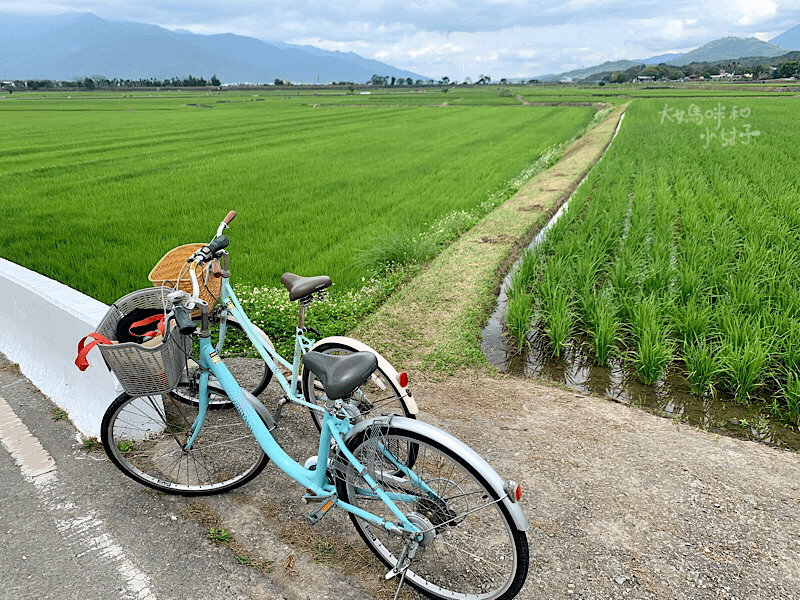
(518, 493)
(403, 379)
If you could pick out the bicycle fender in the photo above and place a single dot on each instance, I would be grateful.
(384, 365)
(484, 469)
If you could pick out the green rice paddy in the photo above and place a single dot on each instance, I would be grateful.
(98, 186)
(679, 253)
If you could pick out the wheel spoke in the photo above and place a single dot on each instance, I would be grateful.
(475, 552)
(145, 438)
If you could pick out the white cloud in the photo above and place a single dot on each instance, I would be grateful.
(755, 11)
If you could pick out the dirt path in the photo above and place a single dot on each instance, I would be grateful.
(435, 321)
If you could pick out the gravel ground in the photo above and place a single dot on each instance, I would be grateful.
(621, 503)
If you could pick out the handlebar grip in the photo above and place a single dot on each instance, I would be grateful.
(216, 270)
(184, 320)
(227, 220)
(217, 244)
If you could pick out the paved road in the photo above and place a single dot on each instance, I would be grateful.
(80, 530)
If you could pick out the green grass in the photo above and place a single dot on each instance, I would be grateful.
(98, 187)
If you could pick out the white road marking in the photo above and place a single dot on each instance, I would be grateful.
(84, 532)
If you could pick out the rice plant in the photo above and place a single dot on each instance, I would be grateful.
(524, 276)
(652, 354)
(519, 319)
(692, 321)
(744, 368)
(605, 329)
(790, 343)
(791, 395)
(556, 303)
(558, 321)
(701, 366)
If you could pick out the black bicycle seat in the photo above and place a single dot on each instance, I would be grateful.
(300, 287)
(341, 374)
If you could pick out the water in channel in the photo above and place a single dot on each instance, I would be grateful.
(670, 397)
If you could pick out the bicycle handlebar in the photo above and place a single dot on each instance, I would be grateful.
(225, 222)
(217, 244)
(184, 320)
(209, 253)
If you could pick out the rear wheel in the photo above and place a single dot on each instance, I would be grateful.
(146, 438)
(242, 359)
(471, 547)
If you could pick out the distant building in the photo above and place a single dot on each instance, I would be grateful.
(723, 75)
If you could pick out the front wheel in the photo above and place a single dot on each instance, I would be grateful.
(147, 436)
(471, 547)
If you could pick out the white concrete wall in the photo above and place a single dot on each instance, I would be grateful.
(41, 322)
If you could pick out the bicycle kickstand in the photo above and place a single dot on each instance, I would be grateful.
(403, 563)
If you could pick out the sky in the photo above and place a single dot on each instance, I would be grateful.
(460, 39)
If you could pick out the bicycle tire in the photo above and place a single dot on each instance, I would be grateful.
(377, 396)
(472, 548)
(145, 438)
(242, 359)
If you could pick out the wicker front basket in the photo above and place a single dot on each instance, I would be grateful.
(173, 265)
(143, 370)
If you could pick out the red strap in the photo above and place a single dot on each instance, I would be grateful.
(83, 349)
(151, 334)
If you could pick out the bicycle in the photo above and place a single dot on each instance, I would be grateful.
(429, 507)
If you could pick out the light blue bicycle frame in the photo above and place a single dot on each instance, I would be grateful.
(332, 427)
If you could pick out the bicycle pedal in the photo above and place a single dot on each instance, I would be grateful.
(315, 516)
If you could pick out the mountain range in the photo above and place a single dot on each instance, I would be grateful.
(78, 45)
(726, 48)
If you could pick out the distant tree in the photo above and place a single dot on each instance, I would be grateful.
(214, 81)
(444, 81)
(393, 80)
(788, 69)
(379, 80)
(88, 83)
